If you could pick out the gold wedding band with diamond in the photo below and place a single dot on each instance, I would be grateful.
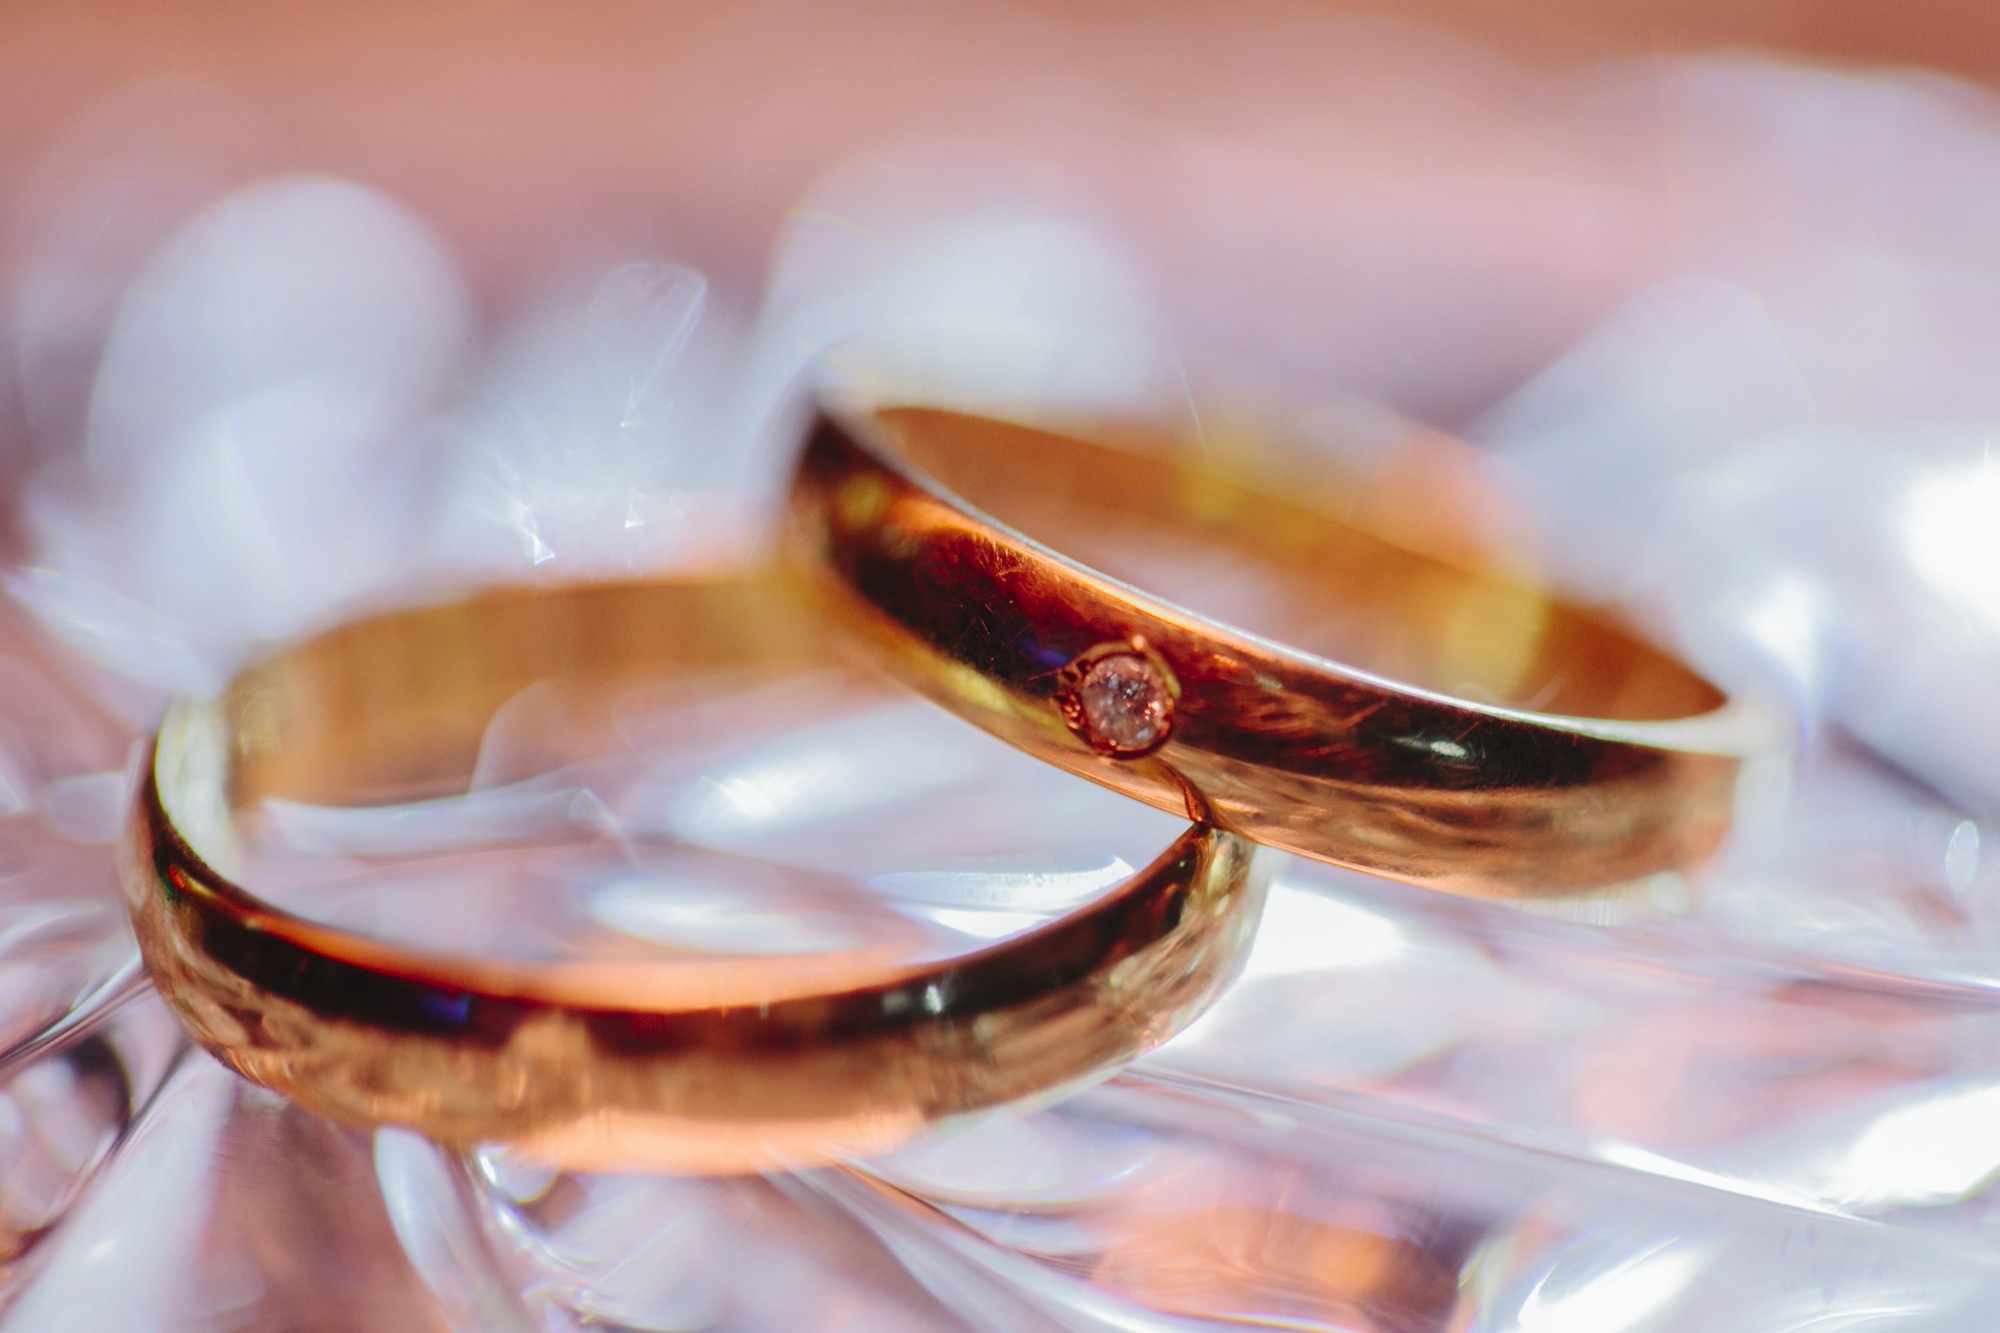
(1460, 729)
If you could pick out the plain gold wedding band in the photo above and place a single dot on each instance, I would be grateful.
(698, 1065)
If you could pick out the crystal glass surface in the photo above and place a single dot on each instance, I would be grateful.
(65, 951)
(1720, 328)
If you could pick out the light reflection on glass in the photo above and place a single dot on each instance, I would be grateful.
(884, 759)
(1939, 1146)
(1947, 525)
(1635, 1295)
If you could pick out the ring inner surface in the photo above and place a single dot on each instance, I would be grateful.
(397, 707)
(726, 765)
(1290, 556)
(511, 758)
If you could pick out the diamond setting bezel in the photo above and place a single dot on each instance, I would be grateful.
(1163, 697)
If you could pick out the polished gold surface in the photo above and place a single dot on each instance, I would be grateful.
(1433, 721)
(703, 1064)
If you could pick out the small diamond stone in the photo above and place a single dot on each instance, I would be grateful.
(1122, 704)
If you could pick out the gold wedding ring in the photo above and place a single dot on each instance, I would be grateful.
(705, 1064)
(1442, 724)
